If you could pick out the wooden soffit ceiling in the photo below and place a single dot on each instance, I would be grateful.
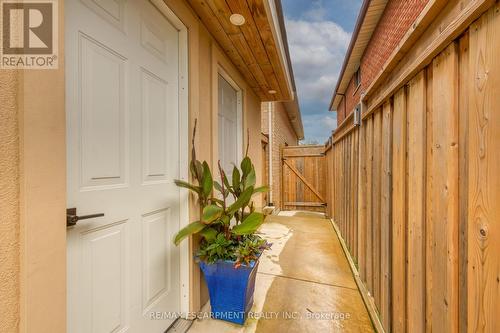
(255, 47)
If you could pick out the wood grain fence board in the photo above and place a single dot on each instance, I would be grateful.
(309, 170)
(303, 151)
(347, 182)
(355, 193)
(282, 188)
(376, 174)
(444, 260)
(286, 186)
(340, 188)
(305, 204)
(369, 205)
(338, 191)
(347, 198)
(328, 185)
(312, 174)
(341, 184)
(336, 198)
(463, 137)
(415, 301)
(342, 179)
(294, 182)
(399, 213)
(322, 174)
(362, 202)
(331, 182)
(484, 175)
(351, 191)
(386, 217)
(428, 197)
(346, 177)
(346, 187)
(334, 171)
(362, 198)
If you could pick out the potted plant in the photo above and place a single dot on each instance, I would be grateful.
(230, 248)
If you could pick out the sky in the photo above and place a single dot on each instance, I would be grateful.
(318, 34)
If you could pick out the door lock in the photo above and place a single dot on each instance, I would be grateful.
(72, 218)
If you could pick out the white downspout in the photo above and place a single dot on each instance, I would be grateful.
(270, 131)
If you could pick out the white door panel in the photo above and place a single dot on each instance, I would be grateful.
(122, 77)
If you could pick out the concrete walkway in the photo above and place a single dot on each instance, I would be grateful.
(304, 283)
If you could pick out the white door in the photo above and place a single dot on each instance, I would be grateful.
(122, 77)
(229, 125)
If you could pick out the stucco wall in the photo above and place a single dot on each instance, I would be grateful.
(206, 59)
(255, 151)
(33, 199)
(9, 203)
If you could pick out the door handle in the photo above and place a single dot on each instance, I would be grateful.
(72, 218)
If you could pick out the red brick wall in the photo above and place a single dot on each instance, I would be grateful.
(397, 18)
(395, 22)
(283, 134)
(353, 95)
(340, 111)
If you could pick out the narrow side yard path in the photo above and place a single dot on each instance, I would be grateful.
(304, 283)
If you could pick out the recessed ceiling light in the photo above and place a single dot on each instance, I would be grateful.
(237, 19)
(272, 92)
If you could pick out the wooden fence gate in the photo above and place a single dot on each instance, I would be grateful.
(303, 171)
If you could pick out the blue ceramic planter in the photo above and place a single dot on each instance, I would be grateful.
(231, 289)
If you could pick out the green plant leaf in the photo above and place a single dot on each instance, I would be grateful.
(246, 166)
(211, 213)
(225, 220)
(219, 201)
(209, 234)
(187, 185)
(242, 201)
(249, 225)
(191, 228)
(261, 189)
(207, 183)
(250, 179)
(199, 170)
(225, 181)
(192, 168)
(217, 186)
(196, 170)
(236, 178)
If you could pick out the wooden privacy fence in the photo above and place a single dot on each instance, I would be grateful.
(415, 190)
(304, 178)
